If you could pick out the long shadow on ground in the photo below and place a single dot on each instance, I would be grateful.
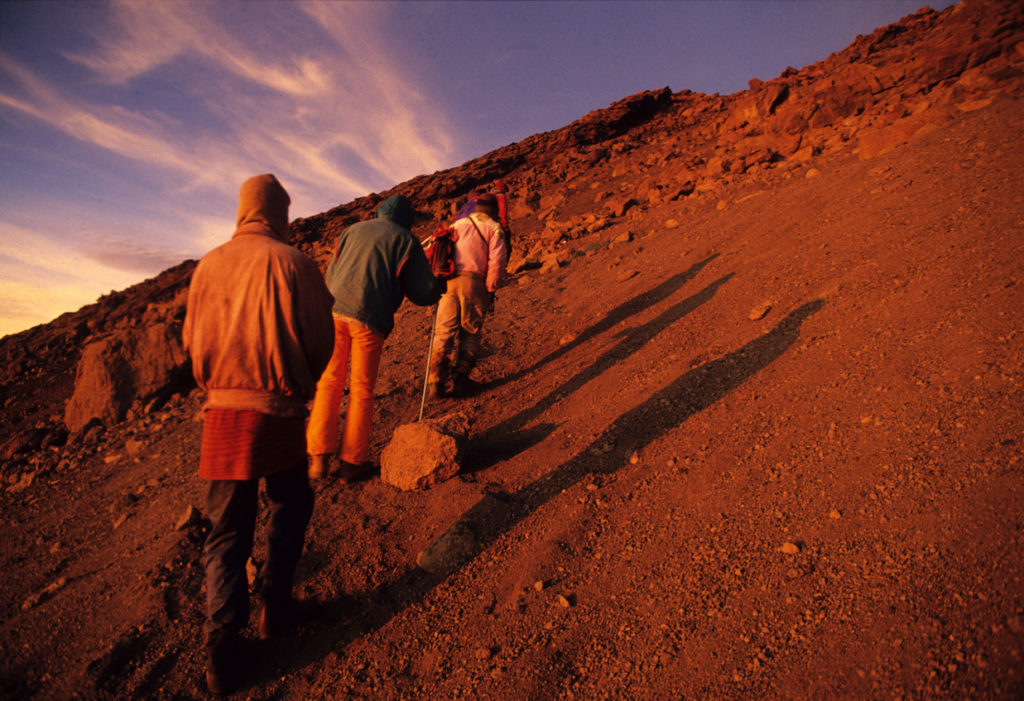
(613, 318)
(495, 444)
(340, 622)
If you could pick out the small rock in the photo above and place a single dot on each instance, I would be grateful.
(634, 458)
(618, 206)
(789, 548)
(23, 483)
(252, 572)
(483, 653)
(760, 311)
(41, 596)
(563, 601)
(539, 585)
(834, 513)
(812, 173)
(627, 274)
(188, 518)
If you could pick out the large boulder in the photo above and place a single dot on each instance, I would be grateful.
(137, 363)
(423, 454)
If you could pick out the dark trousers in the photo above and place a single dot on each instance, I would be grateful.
(233, 506)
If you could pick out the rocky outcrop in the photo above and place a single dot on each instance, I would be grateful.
(142, 363)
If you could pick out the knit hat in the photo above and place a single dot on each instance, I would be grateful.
(398, 209)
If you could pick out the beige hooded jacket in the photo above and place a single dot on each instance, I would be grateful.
(258, 325)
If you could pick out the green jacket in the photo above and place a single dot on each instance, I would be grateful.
(376, 265)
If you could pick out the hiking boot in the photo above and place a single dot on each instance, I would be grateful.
(462, 386)
(275, 618)
(319, 466)
(222, 664)
(350, 472)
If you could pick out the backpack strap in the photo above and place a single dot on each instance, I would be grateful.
(478, 233)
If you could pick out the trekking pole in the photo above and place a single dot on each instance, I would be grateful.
(430, 350)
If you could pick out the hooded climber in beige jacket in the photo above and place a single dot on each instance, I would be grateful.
(260, 332)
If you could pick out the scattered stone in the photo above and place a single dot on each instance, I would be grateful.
(619, 205)
(551, 262)
(189, 517)
(539, 585)
(522, 264)
(973, 105)
(23, 483)
(760, 311)
(812, 173)
(834, 514)
(627, 274)
(41, 596)
(789, 548)
(684, 188)
(252, 573)
(564, 601)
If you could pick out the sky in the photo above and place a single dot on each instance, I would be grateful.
(126, 128)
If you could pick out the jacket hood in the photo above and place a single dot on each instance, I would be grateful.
(263, 199)
(398, 209)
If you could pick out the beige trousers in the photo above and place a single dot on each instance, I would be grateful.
(460, 318)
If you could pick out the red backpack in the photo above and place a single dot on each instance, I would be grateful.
(439, 248)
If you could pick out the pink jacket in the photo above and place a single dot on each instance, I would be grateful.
(481, 249)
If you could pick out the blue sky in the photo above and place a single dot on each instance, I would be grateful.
(127, 127)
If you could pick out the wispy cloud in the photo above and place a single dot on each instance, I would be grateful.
(109, 127)
(187, 100)
(41, 279)
(312, 95)
(143, 36)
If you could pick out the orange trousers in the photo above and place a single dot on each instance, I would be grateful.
(362, 347)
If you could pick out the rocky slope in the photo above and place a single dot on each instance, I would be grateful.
(751, 423)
